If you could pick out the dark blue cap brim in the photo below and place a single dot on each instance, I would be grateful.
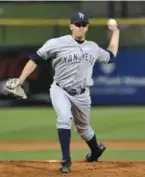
(79, 21)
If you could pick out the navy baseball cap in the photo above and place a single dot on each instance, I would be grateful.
(79, 17)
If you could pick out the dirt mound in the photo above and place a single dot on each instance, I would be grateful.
(79, 168)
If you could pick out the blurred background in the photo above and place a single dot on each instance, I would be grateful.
(25, 26)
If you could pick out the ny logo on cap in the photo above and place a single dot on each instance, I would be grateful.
(81, 15)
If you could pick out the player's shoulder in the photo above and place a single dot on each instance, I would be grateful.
(92, 43)
(64, 38)
(59, 40)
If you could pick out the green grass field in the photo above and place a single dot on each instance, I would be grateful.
(110, 123)
(76, 155)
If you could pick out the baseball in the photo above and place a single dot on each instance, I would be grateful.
(112, 22)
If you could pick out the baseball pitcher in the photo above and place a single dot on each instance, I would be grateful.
(73, 58)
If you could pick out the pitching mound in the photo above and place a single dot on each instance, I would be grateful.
(79, 169)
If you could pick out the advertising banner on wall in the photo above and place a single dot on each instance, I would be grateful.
(122, 82)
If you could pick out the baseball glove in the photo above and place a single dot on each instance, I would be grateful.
(13, 86)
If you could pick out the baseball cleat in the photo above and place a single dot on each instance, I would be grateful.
(66, 167)
(90, 158)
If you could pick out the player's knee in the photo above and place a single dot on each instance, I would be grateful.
(64, 123)
(85, 133)
(64, 118)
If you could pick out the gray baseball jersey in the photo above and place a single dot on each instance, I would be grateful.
(73, 62)
(73, 65)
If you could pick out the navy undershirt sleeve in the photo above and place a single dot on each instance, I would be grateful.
(112, 57)
(37, 59)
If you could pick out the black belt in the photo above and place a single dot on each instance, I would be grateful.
(73, 92)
